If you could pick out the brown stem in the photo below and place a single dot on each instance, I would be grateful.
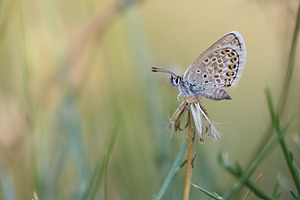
(188, 174)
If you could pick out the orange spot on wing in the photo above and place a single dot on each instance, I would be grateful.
(232, 60)
(230, 54)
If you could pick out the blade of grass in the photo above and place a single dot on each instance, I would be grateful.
(258, 192)
(261, 156)
(285, 88)
(282, 142)
(237, 171)
(249, 191)
(6, 182)
(290, 68)
(276, 186)
(210, 194)
(105, 177)
(294, 195)
(173, 171)
(297, 168)
(93, 185)
(95, 182)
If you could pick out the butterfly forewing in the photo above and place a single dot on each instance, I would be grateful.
(219, 66)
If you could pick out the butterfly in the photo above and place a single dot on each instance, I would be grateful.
(219, 67)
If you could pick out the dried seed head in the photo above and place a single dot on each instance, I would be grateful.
(176, 118)
(199, 115)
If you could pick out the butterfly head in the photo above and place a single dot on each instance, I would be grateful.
(175, 80)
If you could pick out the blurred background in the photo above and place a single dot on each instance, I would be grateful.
(76, 90)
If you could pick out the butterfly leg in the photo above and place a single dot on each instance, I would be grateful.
(180, 94)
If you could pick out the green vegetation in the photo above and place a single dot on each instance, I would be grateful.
(83, 117)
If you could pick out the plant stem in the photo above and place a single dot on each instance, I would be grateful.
(261, 156)
(290, 67)
(287, 81)
(105, 177)
(288, 159)
(234, 189)
(190, 155)
(249, 192)
(259, 192)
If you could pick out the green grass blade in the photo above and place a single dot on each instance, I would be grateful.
(249, 191)
(258, 192)
(95, 181)
(210, 194)
(297, 168)
(285, 88)
(105, 177)
(173, 171)
(276, 186)
(93, 185)
(261, 156)
(290, 68)
(286, 153)
(6, 183)
(223, 160)
(294, 195)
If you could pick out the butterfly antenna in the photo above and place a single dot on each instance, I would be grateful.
(155, 69)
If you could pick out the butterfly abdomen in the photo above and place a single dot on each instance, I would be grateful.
(215, 94)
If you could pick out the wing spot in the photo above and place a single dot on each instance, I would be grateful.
(198, 71)
(206, 81)
(221, 65)
(218, 80)
(205, 76)
(206, 60)
(232, 67)
(233, 60)
(220, 71)
(216, 76)
(220, 60)
(214, 59)
(226, 51)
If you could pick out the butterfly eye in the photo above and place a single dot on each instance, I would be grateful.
(177, 80)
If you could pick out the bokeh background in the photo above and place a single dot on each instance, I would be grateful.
(76, 88)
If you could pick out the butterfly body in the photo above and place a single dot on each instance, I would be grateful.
(220, 66)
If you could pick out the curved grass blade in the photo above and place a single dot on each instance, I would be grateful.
(210, 194)
(286, 153)
(173, 171)
(97, 175)
(249, 191)
(276, 186)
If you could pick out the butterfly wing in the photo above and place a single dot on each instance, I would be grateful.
(219, 66)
